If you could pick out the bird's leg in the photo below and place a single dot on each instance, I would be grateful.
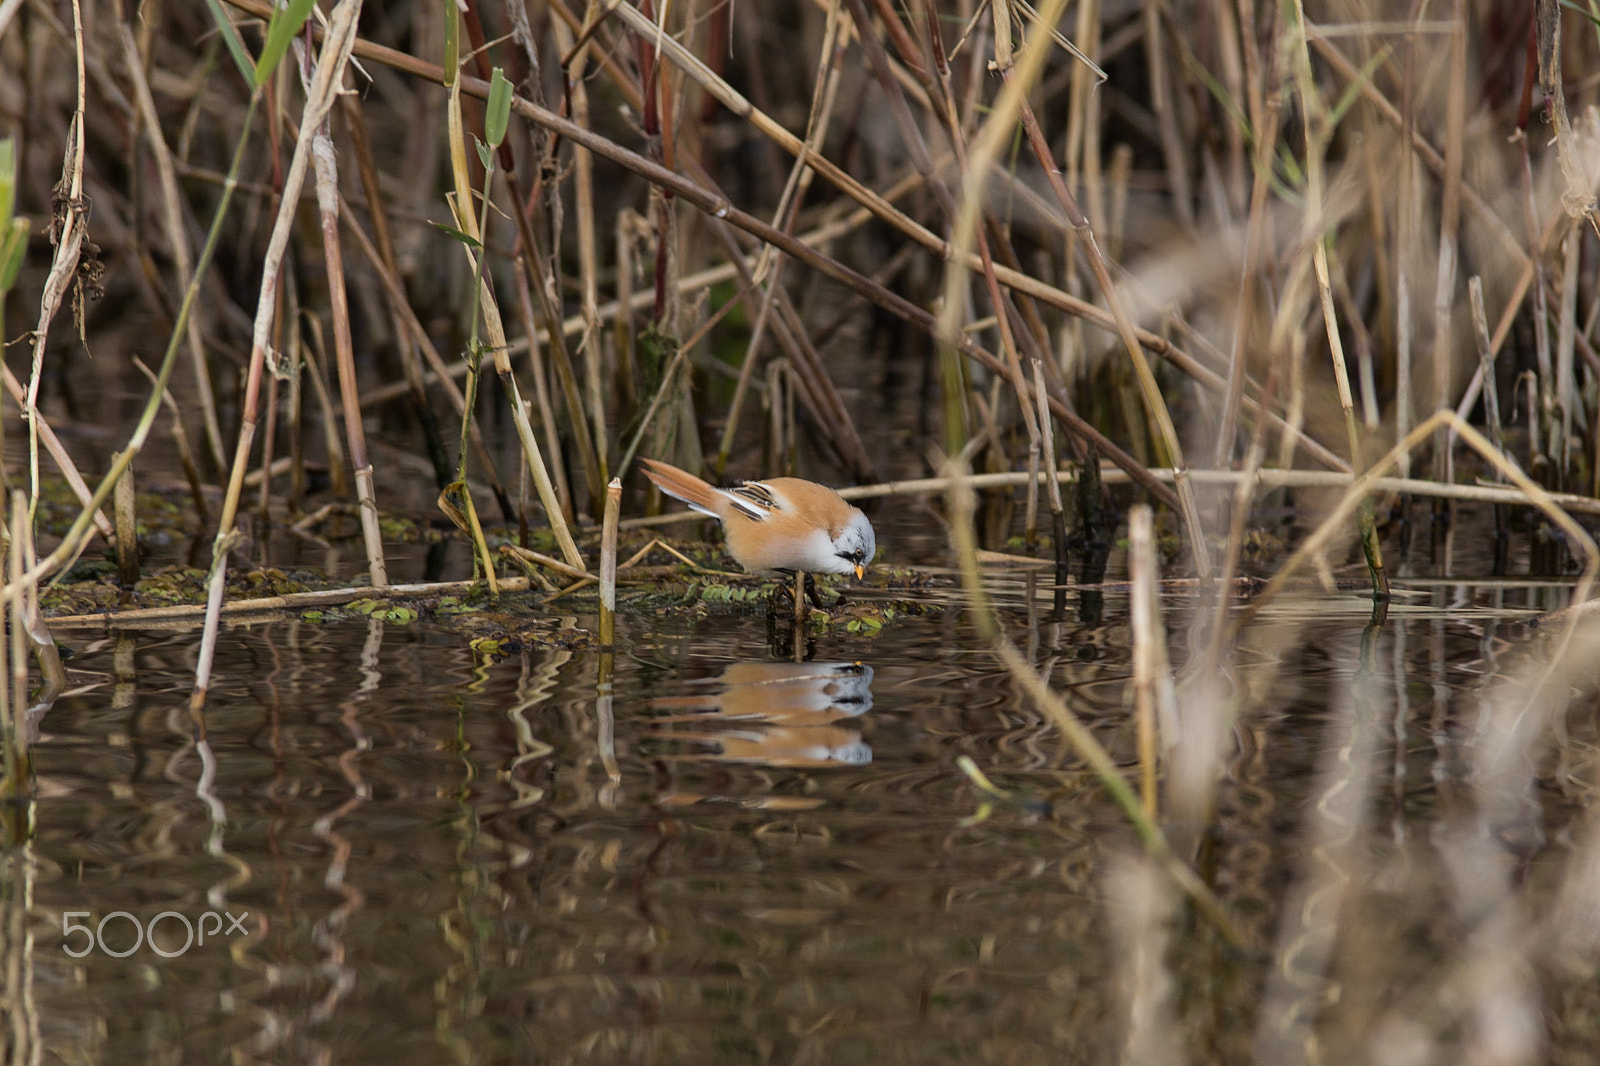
(782, 598)
(816, 597)
(803, 586)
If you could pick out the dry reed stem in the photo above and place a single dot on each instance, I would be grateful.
(1153, 694)
(769, 265)
(63, 459)
(495, 344)
(1362, 488)
(1150, 392)
(588, 259)
(1110, 775)
(1566, 393)
(404, 340)
(1058, 516)
(1318, 130)
(180, 442)
(541, 395)
(530, 447)
(716, 205)
(442, 373)
(608, 562)
(1509, 246)
(173, 217)
(326, 167)
(619, 309)
(817, 388)
(76, 536)
(1449, 226)
(68, 234)
(1491, 391)
(1249, 279)
(127, 524)
(974, 177)
(329, 74)
(315, 358)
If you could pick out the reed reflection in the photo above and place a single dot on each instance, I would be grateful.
(771, 713)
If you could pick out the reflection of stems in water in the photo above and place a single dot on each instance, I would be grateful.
(534, 687)
(1300, 983)
(329, 934)
(17, 962)
(606, 729)
(1100, 763)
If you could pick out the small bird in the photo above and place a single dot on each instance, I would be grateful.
(781, 525)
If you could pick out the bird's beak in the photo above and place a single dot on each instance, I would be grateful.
(861, 571)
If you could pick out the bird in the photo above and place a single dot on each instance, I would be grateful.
(781, 525)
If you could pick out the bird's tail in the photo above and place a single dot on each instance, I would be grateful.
(682, 485)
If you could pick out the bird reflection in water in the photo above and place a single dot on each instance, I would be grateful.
(772, 714)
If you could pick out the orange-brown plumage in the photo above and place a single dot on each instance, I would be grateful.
(781, 524)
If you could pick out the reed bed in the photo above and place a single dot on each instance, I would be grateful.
(1208, 257)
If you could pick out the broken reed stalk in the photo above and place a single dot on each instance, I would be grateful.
(1152, 680)
(608, 563)
(127, 528)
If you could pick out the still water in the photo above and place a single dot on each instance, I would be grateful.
(399, 849)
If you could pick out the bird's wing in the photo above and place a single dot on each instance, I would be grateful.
(754, 500)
